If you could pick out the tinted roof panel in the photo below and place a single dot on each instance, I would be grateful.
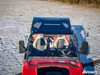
(51, 25)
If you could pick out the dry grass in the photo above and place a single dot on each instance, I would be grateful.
(85, 3)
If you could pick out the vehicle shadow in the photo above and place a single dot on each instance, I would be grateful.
(81, 34)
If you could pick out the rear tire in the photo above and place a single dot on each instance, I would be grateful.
(20, 74)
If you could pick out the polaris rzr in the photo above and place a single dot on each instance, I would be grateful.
(52, 48)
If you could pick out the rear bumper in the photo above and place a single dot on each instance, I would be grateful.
(33, 69)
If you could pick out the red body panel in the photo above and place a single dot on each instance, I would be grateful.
(33, 70)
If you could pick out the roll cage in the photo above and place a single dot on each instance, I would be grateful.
(53, 52)
(51, 27)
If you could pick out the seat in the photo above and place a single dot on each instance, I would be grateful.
(61, 42)
(40, 42)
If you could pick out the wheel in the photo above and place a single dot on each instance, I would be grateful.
(20, 74)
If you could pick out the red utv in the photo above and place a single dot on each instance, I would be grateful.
(52, 49)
